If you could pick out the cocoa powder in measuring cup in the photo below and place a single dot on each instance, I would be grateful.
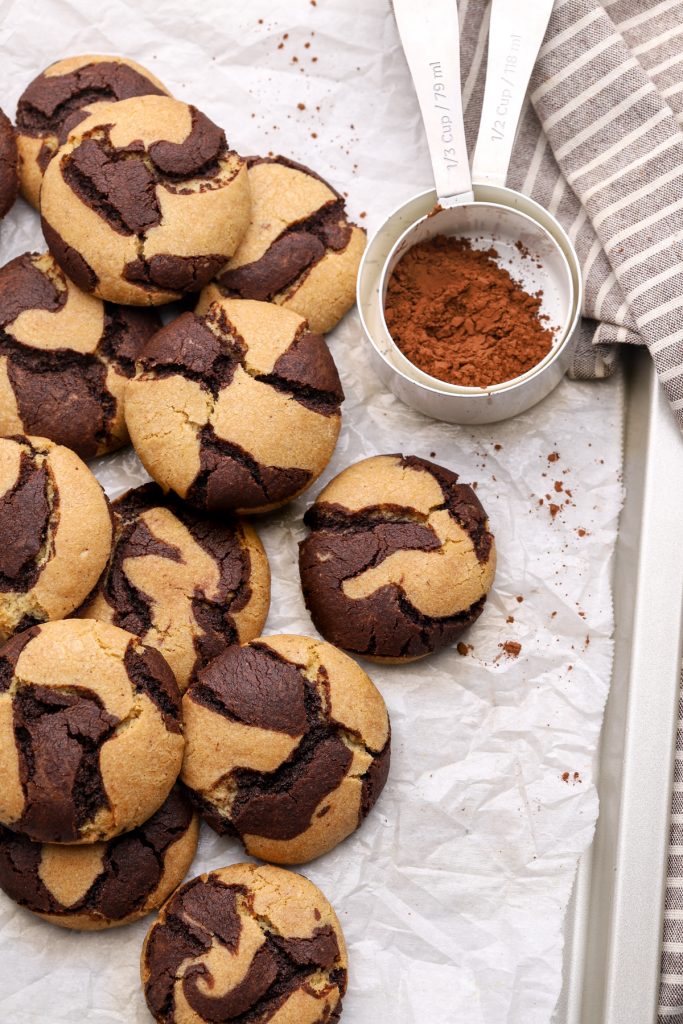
(458, 316)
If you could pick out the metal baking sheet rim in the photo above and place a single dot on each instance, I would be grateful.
(613, 932)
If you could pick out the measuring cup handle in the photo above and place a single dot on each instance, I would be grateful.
(430, 36)
(515, 35)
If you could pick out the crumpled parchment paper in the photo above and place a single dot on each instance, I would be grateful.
(452, 894)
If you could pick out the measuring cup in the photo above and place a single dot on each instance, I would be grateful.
(483, 210)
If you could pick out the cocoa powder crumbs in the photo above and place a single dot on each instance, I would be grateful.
(457, 315)
(511, 648)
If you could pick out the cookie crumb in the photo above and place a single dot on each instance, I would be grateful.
(511, 647)
(553, 457)
(510, 618)
(464, 649)
(519, 598)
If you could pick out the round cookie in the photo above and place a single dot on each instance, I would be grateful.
(58, 92)
(90, 733)
(65, 357)
(247, 943)
(144, 201)
(237, 409)
(186, 584)
(9, 175)
(300, 250)
(56, 516)
(399, 560)
(102, 885)
(287, 746)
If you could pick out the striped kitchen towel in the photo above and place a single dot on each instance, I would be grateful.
(601, 146)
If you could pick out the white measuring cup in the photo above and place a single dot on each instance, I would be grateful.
(482, 210)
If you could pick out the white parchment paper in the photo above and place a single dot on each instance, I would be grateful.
(452, 895)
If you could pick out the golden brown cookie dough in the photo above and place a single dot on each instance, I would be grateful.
(300, 251)
(399, 559)
(144, 201)
(9, 175)
(236, 409)
(65, 357)
(287, 746)
(56, 530)
(102, 885)
(90, 732)
(56, 94)
(185, 583)
(250, 943)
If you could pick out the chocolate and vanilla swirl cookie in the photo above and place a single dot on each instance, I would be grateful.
(144, 201)
(65, 357)
(300, 250)
(56, 532)
(102, 885)
(399, 559)
(90, 733)
(235, 409)
(56, 93)
(186, 584)
(9, 173)
(287, 746)
(246, 943)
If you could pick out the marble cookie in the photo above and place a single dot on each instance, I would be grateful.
(102, 885)
(236, 409)
(144, 201)
(56, 530)
(300, 251)
(65, 357)
(399, 559)
(187, 584)
(61, 90)
(287, 746)
(251, 943)
(90, 732)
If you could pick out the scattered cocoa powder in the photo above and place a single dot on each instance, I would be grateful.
(460, 317)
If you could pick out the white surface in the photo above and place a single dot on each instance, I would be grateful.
(452, 894)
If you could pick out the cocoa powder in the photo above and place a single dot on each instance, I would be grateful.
(460, 317)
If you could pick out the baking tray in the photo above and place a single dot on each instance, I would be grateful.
(614, 927)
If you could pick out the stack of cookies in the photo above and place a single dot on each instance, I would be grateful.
(137, 690)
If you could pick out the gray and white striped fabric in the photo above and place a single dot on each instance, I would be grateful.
(601, 147)
(671, 988)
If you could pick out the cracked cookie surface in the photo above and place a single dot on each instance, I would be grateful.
(287, 746)
(61, 90)
(102, 885)
(187, 584)
(144, 201)
(65, 357)
(249, 943)
(56, 514)
(90, 733)
(300, 250)
(236, 409)
(9, 173)
(399, 559)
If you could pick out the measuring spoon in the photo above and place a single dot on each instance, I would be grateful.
(484, 211)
